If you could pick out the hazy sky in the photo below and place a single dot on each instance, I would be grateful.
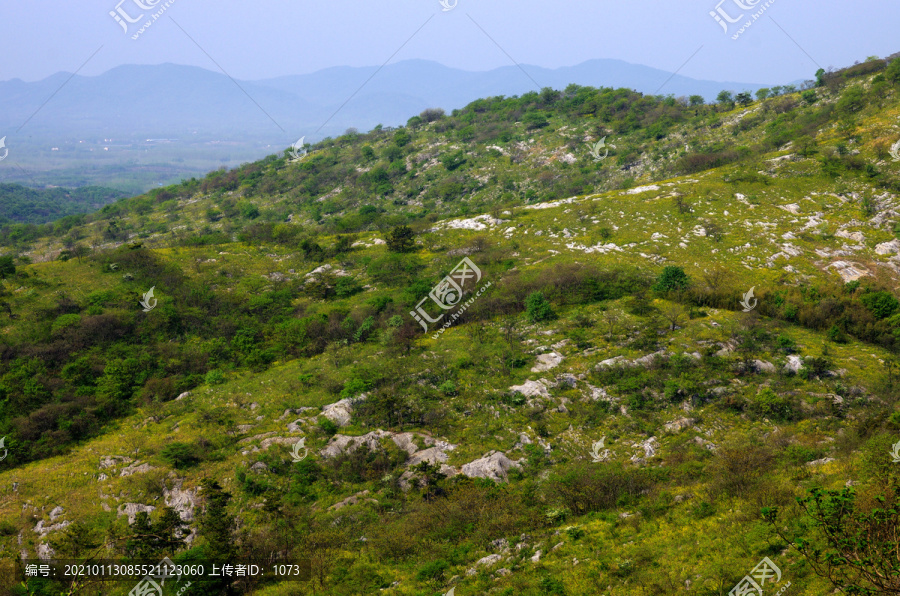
(266, 38)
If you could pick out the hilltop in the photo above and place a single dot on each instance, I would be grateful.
(691, 320)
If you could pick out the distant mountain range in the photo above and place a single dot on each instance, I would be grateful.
(133, 103)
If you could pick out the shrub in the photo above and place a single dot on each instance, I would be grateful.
(214, 377)
(584, 488)
(538, 308)
(180, 455)
(671, 279)
(881, 304)
(401, 239)
(768, 404)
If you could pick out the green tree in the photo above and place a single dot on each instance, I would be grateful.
(820, 77)
(150, 540)
(762, 93)
(745, 99)
(218, 528)
(850, 541)
(696, 100)
(538, 308)
(7, 267)
(725, 99)
(401, 239)
(671, 279)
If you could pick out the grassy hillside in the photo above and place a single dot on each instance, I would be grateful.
(603, 418)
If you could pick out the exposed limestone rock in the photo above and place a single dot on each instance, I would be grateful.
(546, 362)
(888, 248)
(136, 468)
(110, 461)
(676, 426)
(132, 509)
(531, 389)
(352, 500)
(494, 466)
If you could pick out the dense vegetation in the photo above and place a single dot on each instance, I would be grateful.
(20, 204)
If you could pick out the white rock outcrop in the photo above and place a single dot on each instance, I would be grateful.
(493, 466)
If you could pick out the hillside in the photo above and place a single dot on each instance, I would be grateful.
(37, 206)
(663, 347)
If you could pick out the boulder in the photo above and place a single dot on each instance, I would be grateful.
(341, 412)
(493, 466)
(531, 389)
(340, 444)
(547, 362)
(888, 248)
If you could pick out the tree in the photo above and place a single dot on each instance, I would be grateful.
(762, 93)
(820, 77)
(672, 279)
(535, 120)
(725, 98)
(674, 313)
(745, 99)
(151, 540)
(854, 543)
(217, 526)
(538, 308)
(696, 100)
(7, 267)
(401, 239)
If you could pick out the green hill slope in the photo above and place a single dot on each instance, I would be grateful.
(660, 343)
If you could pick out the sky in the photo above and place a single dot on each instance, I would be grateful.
(269, 38)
